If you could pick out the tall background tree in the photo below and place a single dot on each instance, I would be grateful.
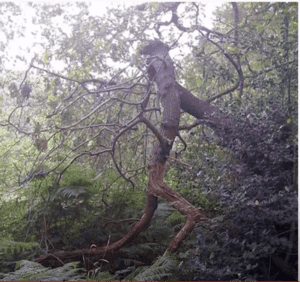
(79, 124)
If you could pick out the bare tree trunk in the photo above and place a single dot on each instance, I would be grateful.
(161, 70)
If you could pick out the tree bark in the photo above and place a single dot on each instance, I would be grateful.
(162, 72)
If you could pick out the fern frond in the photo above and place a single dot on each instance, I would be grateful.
(71, 191)
(12, 247)
(162, 268)
(178, 226)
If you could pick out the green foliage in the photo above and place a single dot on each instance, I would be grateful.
(125, 201)
(162, 269)
(103, 276)
(259, 209)
(176, 218)
(160, 231)
(32, 271)
(10, 247)
(77, 175)
(71, 191)
(210, 167)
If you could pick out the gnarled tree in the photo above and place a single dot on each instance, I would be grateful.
(175, 99)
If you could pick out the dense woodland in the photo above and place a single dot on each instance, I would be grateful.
(140, 144)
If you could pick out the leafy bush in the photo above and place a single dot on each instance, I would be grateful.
(260, 208)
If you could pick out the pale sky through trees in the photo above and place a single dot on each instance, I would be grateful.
(23, 45)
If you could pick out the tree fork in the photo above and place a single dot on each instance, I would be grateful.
(172, 101)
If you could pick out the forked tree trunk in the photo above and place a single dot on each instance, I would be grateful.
(173, 97)
(161, 71)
